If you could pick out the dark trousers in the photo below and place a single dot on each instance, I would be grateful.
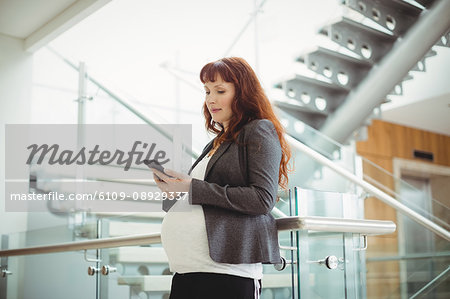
(200, 285)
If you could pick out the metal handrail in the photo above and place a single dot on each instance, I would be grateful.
(339, 225)
(387, 199)
(324, 224)
(131, 240)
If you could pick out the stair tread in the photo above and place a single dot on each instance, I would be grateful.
(339, 55)
(298, 107)
(347, 22)
(399, 10)
(319, 83)
(311, 80)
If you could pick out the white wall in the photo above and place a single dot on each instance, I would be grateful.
(15, 98)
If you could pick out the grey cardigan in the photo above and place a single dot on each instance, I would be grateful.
(239, 225)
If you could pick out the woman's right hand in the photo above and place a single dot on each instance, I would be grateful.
(172, 181)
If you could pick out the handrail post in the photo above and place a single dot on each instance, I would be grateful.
(82, 96)
(82, 91)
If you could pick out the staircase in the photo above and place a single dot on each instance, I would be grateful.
(361, 43)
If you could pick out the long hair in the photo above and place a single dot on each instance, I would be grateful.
(250, 103)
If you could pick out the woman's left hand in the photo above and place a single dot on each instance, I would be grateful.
(172, 181)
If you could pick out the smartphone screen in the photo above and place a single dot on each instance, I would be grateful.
(156, 165)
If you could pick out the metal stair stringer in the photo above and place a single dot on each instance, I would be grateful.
(392, 68)
(370, 65)
(351, 107)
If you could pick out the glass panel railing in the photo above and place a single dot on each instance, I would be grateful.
(410, 239)
(331, 265)
(393, 275)
(319, 254)
(144, 271)
(282, 284)
(399, 266)
(311, 175)
(340, 154)
(135, 271)
(436, 209)
(327, 204)
(54, 275)
(437, 287)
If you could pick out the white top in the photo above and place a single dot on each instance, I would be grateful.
(184, 238)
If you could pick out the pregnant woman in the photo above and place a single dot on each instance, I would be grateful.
(218, 240)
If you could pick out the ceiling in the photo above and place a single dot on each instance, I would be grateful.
(38, 22)
(20, 18)
(430, 115)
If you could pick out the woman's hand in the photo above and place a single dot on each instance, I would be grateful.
(172, 181)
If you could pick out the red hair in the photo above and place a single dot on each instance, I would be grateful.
(250, 103)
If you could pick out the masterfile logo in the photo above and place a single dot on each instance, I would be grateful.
(91, 167)
(67, 157)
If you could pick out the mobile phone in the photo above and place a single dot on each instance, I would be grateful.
(156, 165)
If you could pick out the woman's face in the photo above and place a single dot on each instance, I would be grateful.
(219, 96)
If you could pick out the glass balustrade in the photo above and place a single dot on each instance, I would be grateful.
(437, 210)
(400, 266)
(331, 264)
(392, 259)
(310, 252)
(51, 275)
(143, 270)
(311, 175)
